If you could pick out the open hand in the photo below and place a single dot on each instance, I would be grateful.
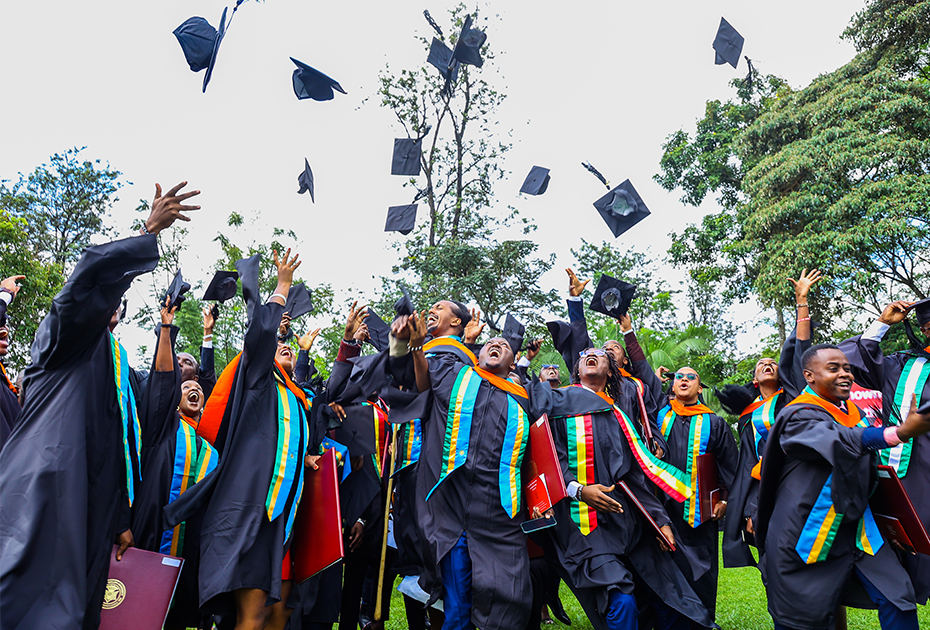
(168, 311)
(474, 327)
(597, 497)
(416, 325)
(306, 341)
(166, 210)
(575, 286)
(357, 315)
(802, 285)
(286, 266)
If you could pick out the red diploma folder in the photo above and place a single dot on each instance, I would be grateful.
(895, 514)
(537, 495)
(708, 485)
(139, 590)
(646, 515)
(544, 461)
(318, 527)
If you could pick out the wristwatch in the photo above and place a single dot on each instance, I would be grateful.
(578, 494)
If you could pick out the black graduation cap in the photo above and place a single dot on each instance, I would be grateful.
(921, 311)
(311, 83)
(197, 39)
(468, 46)
(406, 159)
(513, 332)
(222, 287)
(305, 179)
(248, 276)
(404, 305)
(440, 56)
(612, 297)
(728, 44)
(536, 182)
(401, 219)
(176, 291)
(216, 49)
(378, 330)
(299, 301)
(622, 208)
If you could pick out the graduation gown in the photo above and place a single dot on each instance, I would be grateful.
(9, 404)
(239, 546)
(744, 493)
(704, 538)
(811, 461)
(889, 375)
(63, 481)
(601, 550)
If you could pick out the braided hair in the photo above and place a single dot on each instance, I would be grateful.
(613, 387)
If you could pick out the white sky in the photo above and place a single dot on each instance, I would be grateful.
(604, 82)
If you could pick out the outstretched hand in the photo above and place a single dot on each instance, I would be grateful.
(474, 327)
(209, 319)
(305, 342)
(168, 311)
(168, 208)
(286, 266)
(10, 284)
(596, 496)
(894, 313)
(802, 285)
(575, 286)
(533, 348)
(416, 327)
(357, 315)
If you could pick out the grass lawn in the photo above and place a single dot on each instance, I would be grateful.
(741, 605)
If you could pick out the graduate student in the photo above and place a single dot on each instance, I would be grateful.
(692, 429)
(249, 501)
(202, 371)
(819, 543)
(602, 542)
(757, 404)
(69, 472)
(898, 376)
(9, 400)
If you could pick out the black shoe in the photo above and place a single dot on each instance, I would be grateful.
(555, 607)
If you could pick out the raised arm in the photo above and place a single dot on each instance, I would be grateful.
(863, 351)
(157, 415)
(790, 371)
(416, 325)
(207, 378)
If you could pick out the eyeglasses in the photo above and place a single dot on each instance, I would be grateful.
(550, 367)
(687, 375)
(595, 351)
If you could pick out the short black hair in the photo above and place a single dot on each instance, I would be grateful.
(811, 352)
(461, 311)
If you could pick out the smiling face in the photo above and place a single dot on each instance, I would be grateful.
(766, 372)
(830, 375)
(192, 399)
(442, 320)
(286, 357)
(687, 386)
(550, 374)
(189, 367)
(4, 340)
(616, 351)
(497, 357)
(593, 364)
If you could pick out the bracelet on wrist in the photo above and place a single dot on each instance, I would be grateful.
(274, 295)
(802, 305)
(415, 348)
(144, 230)
(803, 319)
(166, 325)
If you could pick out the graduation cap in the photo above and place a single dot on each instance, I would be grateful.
(513, 332)
(536, 182)
(401, 219)
(248, 276)
(440, 56)
(468, 46)
(216, 49)
(176, 291)
(305, 179)
(612, 297)
(728, 44)
(921, 311)
(622, 208)
(406, 159)
(299, 301)
(222, 287)
(311, 83)
(378, 330)
(432, 22)
(404, 305)
(201, 43)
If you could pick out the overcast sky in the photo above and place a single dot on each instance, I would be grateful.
(604, 82)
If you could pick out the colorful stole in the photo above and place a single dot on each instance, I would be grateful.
(669, 478)
(289, 464)
(824, 521)
(912, 381)
(342, 455)
(215, 407)
(380, 420)
(761, 420)
(127, 409)
(193, 459)
(6, 379)
(454, 342)
(458, 434)
(581, 463)
(409, 441)
(698, 436)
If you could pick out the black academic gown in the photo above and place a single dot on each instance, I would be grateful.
(240, 548)
(804, 449)
(875, 371)
(9, 403)
(62, 472)
(619, 550)
(704, 538)
(744, 493)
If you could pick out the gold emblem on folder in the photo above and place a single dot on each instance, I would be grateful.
(114, 595)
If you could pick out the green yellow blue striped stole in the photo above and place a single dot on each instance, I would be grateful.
(380, 419)
(698, 437)
(128, 413)
(193, 459)
(342, 455)
(409, 441)
(762, 419)
(581, 464)
(458, 436)
(913, 379)
(819, 530)
(289, 459)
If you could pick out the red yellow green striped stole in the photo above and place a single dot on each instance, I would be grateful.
(823, 521)
(380, 419)
(672, 480)
(128, 413)
(289, 460)
(458, 434)
(698, 437)
(913, 380)
(762, 418)
(193, 459)
(581, 464)
(409, 441)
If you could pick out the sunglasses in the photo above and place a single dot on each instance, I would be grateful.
(550, 367)
(595, 351)
(689, 376)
